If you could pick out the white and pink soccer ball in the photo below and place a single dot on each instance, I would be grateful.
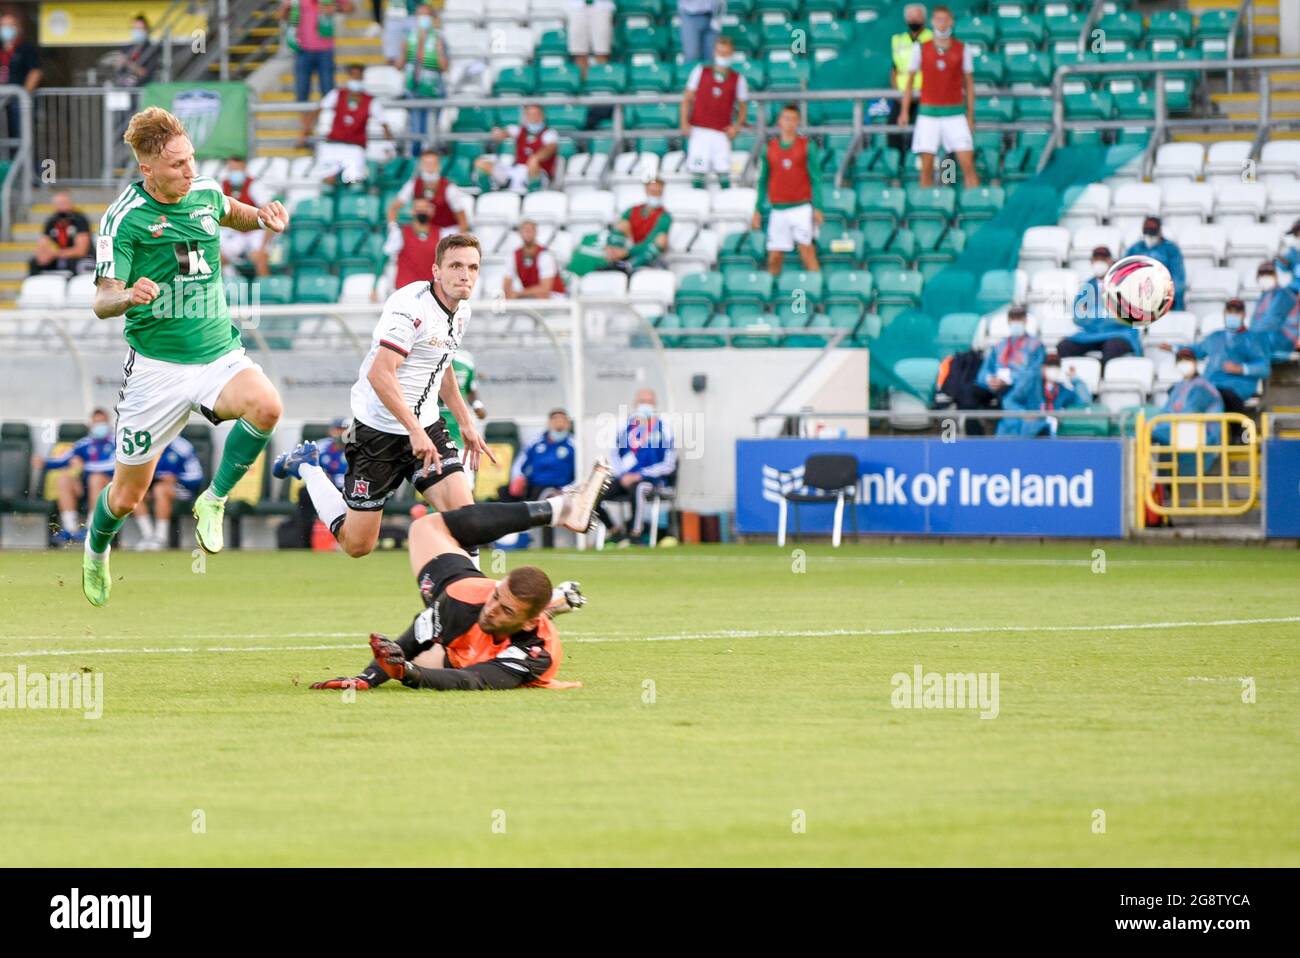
(1137, 290)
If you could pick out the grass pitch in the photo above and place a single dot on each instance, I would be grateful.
(736, 712)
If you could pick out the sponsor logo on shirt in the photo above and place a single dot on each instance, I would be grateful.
(156, 230)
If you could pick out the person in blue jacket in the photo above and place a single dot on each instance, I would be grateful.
(1097, 328)
(96, 453)
(178, 470)
(1233, 359)
(1154, 244)
(545, 463)
(1002, 365)
(1046, 388)
(1193, 393)
(1276, 317)
(1289, 258)
(645, 457)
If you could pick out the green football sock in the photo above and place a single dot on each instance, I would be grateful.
(244, 444)
(103, 524)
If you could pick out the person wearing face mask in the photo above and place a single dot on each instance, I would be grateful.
(591, 31)
(645, 456)
(646, 227)
(533, 161)
(19, 65)
(64, 243)
(1018, 355)
(450, 205)
(1047, 388)
(1193, 393)
(422, 65)
(545, 465)
(308, 27)
(135, 65)
(712, 112)
(946, 115)
(411, 248)
(236, 247)
(1097, 329)
(96, 454)
(1233, 359)
(344, 151)
(901, 47)
(1289, 259)
(699, 27)
(1154, 244)
(534, 272)
(1275, 317)
(789, 192)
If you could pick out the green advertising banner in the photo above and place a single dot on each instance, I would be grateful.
(214, 114)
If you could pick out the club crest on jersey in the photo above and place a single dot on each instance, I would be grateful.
(156, 230)
(786, 163)
(941, 64)
(361, 487)
(209, 225)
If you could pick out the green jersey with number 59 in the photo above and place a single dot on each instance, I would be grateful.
(178, 246)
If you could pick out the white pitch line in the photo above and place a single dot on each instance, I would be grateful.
(695, 636)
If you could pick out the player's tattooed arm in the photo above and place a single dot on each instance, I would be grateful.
(273, 216)
(113, 297)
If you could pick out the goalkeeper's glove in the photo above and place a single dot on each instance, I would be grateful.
(566, 597)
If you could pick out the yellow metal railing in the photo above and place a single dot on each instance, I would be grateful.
(1197, 469)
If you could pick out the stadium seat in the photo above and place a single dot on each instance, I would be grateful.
(934, 202)
(317, 288)
(314, 214)
(1279, 160)
(1227, 160)
(1179, 161)
(1239, 203)
(850, 286)
(1212, 286)
(1044, 247)
(976, 204)
(880, 202)
(1053, 290)
(1127, 381)
(1203, 247)
(43, 291)
(500, 207)
(1178, 327)
(735, 205)
(1000, 288)
(659, 283)
(747, 287)
(700, 289)
(1171, 24)
(1085, 239)
(546, 207)
(1251, 243)
(273, 290)
(898, 287)
(1083, 205)
(80, 291)
(799, 286)
(956, 333)
(687, 204)
(1185, 203)
(356, 288)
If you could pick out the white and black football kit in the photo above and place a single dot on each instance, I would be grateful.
(416, 325)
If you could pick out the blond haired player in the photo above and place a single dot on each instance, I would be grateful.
(158, 261)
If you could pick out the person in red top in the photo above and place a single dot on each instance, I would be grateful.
(536, 146)
(475, 632)
(236, 246)
(947, 112)
(534, 273)
(450, 204)
(790, 187)
(709, 113)
(349, 112)
(412, 249)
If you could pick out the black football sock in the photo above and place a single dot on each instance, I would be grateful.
(486, 522)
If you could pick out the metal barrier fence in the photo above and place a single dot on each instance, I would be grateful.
(80, 131)
(17, 150)
(1191, 472)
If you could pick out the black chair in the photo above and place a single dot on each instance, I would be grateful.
(827, 479)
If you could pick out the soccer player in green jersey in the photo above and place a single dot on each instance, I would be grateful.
(158, 260)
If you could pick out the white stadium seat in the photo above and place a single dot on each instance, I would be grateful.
(1127, 381)
(1279, 160)
(1044, 247)
(686, 204)
(80, 291)
(1284, 199)
(1054, 324)
(591, 210)
(659, 283)
(1084, 205)
(515, 10)
(43, 292)
(357, 288)
(491, 235)
(672, 169)
(603, 283)
(1210, 285)
(1087, 238)
(1203, 247)
(471, 10)
(1186, 203)
(1256, 242)
(1135, 199)
(586, 168)
(545, 206)
(1086, 368)
(1177, 327)
(1053, 285)
(383, 81)
(627, 195)
(736, 201)
(634, 167)
(680, 235)
(1179, 161)
(561, 246)
(500, 206)
(1211, 322)
(1227, 160)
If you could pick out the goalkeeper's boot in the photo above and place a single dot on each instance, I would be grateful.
(210, 521)
(389, 655)
(287, 463)
(580, 502)
(96, 581)
(344, 682)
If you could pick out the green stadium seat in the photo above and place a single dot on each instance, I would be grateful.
(839, 245)
(919, 373)
(472, 119)
(312, 214)
(1085, 137)
(839, 205)
(930, 202)
(995, 109)
(790, 286)
(1094, 105)
(563, 78)
(997, 288)
(1063, 25)
(317, 288)
(552, 43)
(1031, 28)
(654, 9)
(1122, 25)
(788, 8)
(877, 202)
(830, 34)
(876, 235)
(754, 72)
(1215, 24)
(876, 163)
(896, 286)
(1171, 24)
(786, 74)
(853, 286)
(1032, 67)
(653, 116)
(951, 289)
(972, 28)
(350, 240)
(517, 81)
(978, 204)
(989, 68)
(396, 172)
(956, 333)
(937, 242)
(367, 258)
(357, 209)
(650, 39)
(653, 77)
(845, 316)
(1068, 54)
(699, 288)
(605, 78)
(273, 290)
(570, 117)
(752, 287)
(746, 249)
(743, 33)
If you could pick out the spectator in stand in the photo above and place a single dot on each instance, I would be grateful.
(136, 65)
(19, 66)
(410, 249)
(1275, 318)
(1019, 354)
(1193, 393)
(96, 453)
(646, 227)
(946, 115)
(422, 64)
(790, 187)
(543, 467)
(64, 243)
(534, 273)
(901, 48)
(700, 21)
(645, 458)
(237, 247)
(533, 162)
(709, 114)
(1289, 260)
(448, 202)
(178, 471)
(591, 31)
(603, 249)
(398, 25)
(1154, 244)
(344, 151)
(309, 33)
(1098, 330)
(1234, 359)
(1047, 388)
